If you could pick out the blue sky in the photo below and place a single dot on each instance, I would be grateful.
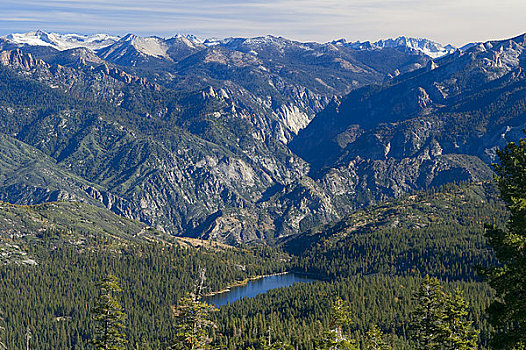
(446, 21)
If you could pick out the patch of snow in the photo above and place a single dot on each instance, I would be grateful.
(188, 40)
(151, 46)
(212, 42)
(469, 46)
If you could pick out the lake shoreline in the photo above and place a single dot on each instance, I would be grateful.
(243, 283)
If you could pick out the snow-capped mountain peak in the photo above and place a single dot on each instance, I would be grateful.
(155, 46)
(62, 41)
(425, 46)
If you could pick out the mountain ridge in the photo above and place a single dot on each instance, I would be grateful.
(101, 41)
(202, 145)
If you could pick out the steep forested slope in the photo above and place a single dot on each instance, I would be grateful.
(375, 259)
(52, 255)
(438, 232)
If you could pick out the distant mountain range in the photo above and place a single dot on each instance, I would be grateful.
(159, 47)
(248, 139)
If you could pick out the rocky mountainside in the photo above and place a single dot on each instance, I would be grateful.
(423, 128)
(30, 176)
(278, 83)
(192, 137)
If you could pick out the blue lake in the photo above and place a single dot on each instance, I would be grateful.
(256, 287)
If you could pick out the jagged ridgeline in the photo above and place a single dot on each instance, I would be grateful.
(193, 138)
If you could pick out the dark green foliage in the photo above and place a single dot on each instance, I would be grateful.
(374, 340)
(108, 316)
(277, 346)
(300, 314)
(154, 276)
(376, 257)
(439, 232)
(458, 329)
(192, 319)
(192, 323)
(337, 336)
(440, 320)
(428, 317)
(508, 311)
(55, 297)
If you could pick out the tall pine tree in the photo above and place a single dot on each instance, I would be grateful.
(336, 338)
(108, 316)
(508, 312)
(192, 319)
(428, 317)
(458, 330)
(440, 320)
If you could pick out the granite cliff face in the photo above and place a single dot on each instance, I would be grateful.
(193, 137)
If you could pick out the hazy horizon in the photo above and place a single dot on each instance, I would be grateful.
(447, 22)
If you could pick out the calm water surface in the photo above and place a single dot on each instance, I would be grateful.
(256, 287)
